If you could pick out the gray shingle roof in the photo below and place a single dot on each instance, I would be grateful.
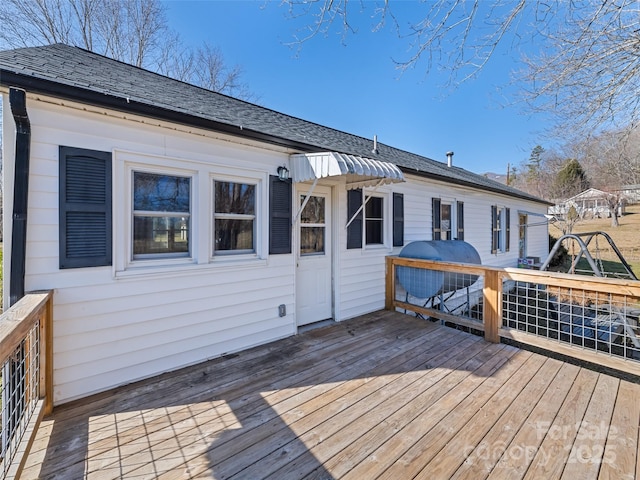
(77, 74)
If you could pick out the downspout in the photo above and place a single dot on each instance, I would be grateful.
(18, 103)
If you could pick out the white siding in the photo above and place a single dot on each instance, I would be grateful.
(114, 325)
(360, 276)
(112, 329)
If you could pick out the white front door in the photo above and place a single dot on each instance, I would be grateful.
(314, 262)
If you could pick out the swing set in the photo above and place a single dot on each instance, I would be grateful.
(597, 269)
(606, 322)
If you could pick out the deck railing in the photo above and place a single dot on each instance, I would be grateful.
(588, 318)
(26, 377)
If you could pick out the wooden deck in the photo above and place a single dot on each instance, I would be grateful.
(381, 396)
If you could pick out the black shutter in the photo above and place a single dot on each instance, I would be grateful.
(398, 220)
(354, 231)
(507, 228)
(436, 232)
(280, 208)
(494, 229)
(460, 220)
(85, 208)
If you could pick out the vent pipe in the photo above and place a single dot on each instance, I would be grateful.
(375, 145)
(449, 159)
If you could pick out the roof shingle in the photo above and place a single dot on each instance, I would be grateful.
(78, 74)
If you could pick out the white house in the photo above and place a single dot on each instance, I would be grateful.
(155, 211)
(631, 193)
(592, 203)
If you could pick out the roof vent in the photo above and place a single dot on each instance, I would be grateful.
(375, 145)
(449, 159)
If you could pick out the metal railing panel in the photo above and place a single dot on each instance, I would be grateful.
(25, 377)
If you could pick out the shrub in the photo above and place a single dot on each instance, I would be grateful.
(561, 256)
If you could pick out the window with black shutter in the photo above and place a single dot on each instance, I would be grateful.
(85, 208)
(280, 209)
(495, 229)
(500, 229)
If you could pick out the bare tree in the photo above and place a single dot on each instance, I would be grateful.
(132, 31)
(567, 222)
(610, 159)
(536, 175)
(614, 201)
(215, 74)
(587, 70)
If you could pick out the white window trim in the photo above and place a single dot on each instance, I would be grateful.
(155, 260)
(325, 225)
(171, 255)
(501, 248)
(387, 223)
(258, 225)
(453, 204)
(201, 257)
(452, 216)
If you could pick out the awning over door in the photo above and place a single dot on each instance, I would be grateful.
(359, 171)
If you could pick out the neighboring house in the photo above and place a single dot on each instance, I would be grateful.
(631, 193)
(592, 203)
(156, 214)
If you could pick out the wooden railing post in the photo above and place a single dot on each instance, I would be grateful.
(390, 288)
(492, 311)
(46, 356)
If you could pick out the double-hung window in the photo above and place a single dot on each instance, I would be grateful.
(374, 221)
(368, 221)
(180, 214)
(447, 223)
(161, 215)
(500, 228)
(234, 217)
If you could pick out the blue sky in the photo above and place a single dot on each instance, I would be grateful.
(354, 86)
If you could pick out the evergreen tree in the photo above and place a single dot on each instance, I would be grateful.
(570, 180)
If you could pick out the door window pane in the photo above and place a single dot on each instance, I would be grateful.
(311, 240)
(312, 226)
(313, 211)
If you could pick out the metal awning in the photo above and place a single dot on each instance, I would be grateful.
(359, 171)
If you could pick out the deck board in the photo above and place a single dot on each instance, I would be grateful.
(385, 395)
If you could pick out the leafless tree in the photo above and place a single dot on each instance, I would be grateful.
(215, 74)
(589, 71)
(536, 175)
(610, 159)
(132, 31)
(585, 65)
(566, 223)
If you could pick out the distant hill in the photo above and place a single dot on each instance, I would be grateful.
(498, 177)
